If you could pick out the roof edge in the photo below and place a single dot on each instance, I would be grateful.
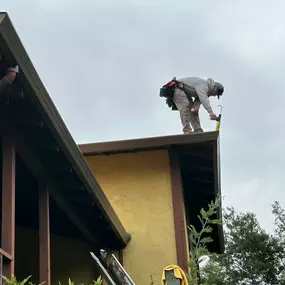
(3, 15)
(149, 143)
(55, 123)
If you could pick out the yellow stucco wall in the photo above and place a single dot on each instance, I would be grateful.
(138, 187)
(69, 258)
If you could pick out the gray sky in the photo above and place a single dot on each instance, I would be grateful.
(103, 63)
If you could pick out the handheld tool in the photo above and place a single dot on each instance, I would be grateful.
(219, 119)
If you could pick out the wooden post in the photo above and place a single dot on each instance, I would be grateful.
(44, 233)
(1, 269)
(8, 204)
(178, 209)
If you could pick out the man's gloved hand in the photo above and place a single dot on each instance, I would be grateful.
(11, 73)
(213, 116)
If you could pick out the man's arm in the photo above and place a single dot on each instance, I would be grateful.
(204, 99)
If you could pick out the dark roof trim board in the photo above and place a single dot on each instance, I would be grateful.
(146, 143)
(42, 101)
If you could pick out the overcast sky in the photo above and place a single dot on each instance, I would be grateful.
(103, 63)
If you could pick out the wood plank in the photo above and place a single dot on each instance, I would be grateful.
(1, 269)
(6, 255)
(44, 232)
(178, 209)
(8, 203)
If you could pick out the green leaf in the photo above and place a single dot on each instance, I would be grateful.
(208, 229)
(216, 221)
(193, 231)
(201, 220)
(25, 280)
(98, 281)
(206, 240)
(203, 213)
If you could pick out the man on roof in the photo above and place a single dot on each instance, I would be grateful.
(189, 93)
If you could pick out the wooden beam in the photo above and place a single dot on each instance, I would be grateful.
(178, 209)
(8, 203)
(33, 162)
(6, 256)
(1, 269)
(44, 232)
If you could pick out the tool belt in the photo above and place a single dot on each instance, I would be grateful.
(167, 91)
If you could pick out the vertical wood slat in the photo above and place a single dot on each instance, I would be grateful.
(44, 233)
(1, 269)
(8, 204)
(178, 209)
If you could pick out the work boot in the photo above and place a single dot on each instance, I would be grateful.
(200, 130)
(188, 131)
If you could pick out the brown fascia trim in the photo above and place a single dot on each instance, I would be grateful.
(178, 209)
(152, 143)
(52, 119)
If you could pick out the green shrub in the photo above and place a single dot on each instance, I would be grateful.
(99, 281)
(200, 239)
(13, 281)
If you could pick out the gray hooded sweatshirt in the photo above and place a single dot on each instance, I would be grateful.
(200, 89)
